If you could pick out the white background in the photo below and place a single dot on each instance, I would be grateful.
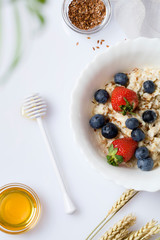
(50, 66)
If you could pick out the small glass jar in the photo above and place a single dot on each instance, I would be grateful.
(33, 202)
(65, 9)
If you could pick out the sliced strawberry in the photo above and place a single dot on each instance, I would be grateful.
(124, 100)
(121, 150)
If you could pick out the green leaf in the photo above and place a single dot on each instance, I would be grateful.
(114, 151)
(112, 158)
(1, 24)
(18, 44)
(40, 17)
(119, 158)
(37, 12)
(42, 1)
(112, 162)
(126, 100)
(109, 157)
(128, 108)
(111, 148)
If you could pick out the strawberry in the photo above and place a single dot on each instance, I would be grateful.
(121, 150)
(124, 100)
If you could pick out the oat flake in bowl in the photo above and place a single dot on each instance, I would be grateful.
(141, 53)
(146, 102)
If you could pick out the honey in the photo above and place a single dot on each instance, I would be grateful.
(18, 208)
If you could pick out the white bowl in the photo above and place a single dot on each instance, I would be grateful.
(121, 57)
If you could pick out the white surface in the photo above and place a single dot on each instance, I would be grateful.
(122, 57)
(68, 204)
(51, 66)
(34, 107)
(138, 17)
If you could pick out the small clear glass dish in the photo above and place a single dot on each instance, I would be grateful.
(65, 8)
(11, 188)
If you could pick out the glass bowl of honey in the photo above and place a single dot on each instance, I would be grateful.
(19, 208)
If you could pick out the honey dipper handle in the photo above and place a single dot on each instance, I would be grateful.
(68, 204)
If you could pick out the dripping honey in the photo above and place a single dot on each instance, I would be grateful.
(17, 209)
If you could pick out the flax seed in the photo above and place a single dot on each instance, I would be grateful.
(86, 14)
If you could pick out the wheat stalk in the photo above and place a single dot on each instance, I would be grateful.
(125, 223)
(124, 198)
(138, 235)
(155, 230)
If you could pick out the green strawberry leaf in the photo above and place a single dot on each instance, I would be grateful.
(119, 158)
(112, 162)
(111, 148)
(114, 151)
(112, 158)
(126, 100)
(109, 157)
(128, 108)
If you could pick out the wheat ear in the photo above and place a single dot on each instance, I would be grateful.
(155, 230)
(124, 198)
(121, 235)
(142, 231)
(125, 223)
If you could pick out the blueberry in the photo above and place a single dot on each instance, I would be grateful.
(97, 121)
(121, 79)
(145, 164)
(141, 152)
(137, 135)
(149, 86)
(101, 96)
(132, 123)
(149, 116)
(109, 130)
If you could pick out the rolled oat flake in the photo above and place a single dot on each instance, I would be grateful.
(86, 14)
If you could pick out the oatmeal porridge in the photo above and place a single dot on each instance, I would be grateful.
(143, 86)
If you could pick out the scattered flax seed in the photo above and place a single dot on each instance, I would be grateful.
(86, 14)
(77, 43)
(88, 38)
(100, 42)
(93, 49)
